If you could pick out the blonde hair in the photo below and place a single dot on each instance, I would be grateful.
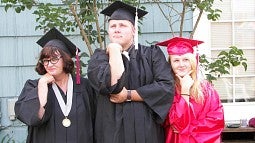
(196, 91)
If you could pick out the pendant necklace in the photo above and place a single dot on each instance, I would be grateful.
(65, 108)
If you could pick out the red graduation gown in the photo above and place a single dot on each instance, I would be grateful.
(195, 123)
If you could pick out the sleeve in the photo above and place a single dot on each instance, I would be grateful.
(211, 119)
(179, 115)
(204, 126)
(92, 96)
(99, 74)
(27, 106)
(158, 95)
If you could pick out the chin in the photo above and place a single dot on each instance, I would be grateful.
(52, 73)
(181, 74)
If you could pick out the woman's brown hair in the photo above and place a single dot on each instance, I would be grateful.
(49, 52)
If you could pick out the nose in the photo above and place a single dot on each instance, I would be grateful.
(181, 63)
(117, 29)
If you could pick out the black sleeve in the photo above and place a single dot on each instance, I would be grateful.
(159, 94)
(27, 106)
(99, 74)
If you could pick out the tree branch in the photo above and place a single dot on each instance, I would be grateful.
(196, 24)
(97, 23)
(182, 16)
(84, 35)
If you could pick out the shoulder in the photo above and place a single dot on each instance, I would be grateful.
(152, 50)
(99, 54)
(205, 84)
(86, 84)
(84, 80)
(86, 87)
(32, 82)
(99, 50)
(208, 90)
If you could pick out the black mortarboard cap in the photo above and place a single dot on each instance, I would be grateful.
(57, 39)
(121, 11)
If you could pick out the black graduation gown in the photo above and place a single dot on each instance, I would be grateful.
(50, 128)
(150, 75)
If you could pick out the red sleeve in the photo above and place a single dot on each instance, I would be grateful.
(210, 122)
(180, 115)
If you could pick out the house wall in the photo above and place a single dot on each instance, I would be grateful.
(233, 112)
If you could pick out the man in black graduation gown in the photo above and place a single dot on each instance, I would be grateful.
(38, 105)
(135, 84)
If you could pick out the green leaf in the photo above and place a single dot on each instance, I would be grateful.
(244, 65)
(224, 53)
(17, 9)
(7, 6)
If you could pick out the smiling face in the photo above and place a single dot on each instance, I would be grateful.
(121, 32)
(181, 64)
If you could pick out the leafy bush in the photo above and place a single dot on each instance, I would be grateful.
(223, 63)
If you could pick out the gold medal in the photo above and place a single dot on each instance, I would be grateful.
(66, 122)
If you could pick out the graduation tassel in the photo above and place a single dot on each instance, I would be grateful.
(77, 62)
(136, 30)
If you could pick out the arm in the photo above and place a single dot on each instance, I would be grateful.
(28, 104)
(43, 92)
(212, 120)
(122, 96)
(158, 87)
(115, 61)
(31, 107)
(99, 74)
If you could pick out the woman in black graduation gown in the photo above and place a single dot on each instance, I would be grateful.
(135, 85)
(58, 108)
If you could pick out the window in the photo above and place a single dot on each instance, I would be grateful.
(235, 27)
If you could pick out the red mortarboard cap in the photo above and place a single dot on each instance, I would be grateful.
(57, 39)
(121, 11)
(179, 45)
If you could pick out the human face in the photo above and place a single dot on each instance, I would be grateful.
(54, 65)
(181, 64)
(121, 32)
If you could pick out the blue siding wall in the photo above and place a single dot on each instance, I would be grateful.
(19, 53)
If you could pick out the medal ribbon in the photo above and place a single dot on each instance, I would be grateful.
(65, 108)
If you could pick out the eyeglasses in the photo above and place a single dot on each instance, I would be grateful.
(53, 60)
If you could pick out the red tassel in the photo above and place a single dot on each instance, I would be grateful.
(77, 62)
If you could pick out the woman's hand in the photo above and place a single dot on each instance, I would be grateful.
(46, 79)
(186, 82)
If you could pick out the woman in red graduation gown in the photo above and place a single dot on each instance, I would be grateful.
(196, 115)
